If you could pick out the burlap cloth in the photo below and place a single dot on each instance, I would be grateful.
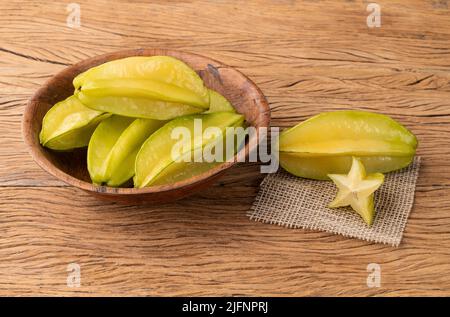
(295, 202)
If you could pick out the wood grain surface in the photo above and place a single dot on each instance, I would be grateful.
(307, 57)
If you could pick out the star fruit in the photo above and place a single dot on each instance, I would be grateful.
(326, 143)
(356, 189)
(155, 87)
(113, 148)
(157, 163)
(69, 124)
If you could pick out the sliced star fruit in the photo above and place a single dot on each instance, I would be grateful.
(113, 148)
(326, 143)
(69, 124)
(356, 189)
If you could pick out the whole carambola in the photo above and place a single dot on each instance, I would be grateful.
(156, 87)
(218, 103)
(155, 162)
(326, 143)
(179, 171)
(113, 148)
(69, 124)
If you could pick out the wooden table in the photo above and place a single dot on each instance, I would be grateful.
(307, 57)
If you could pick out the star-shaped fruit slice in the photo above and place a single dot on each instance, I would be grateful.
(357, 190)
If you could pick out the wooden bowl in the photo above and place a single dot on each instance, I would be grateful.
(71, 167)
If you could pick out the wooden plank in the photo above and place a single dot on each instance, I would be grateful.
(204, 245)
(307, 57)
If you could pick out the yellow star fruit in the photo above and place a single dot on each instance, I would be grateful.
(357, 190)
